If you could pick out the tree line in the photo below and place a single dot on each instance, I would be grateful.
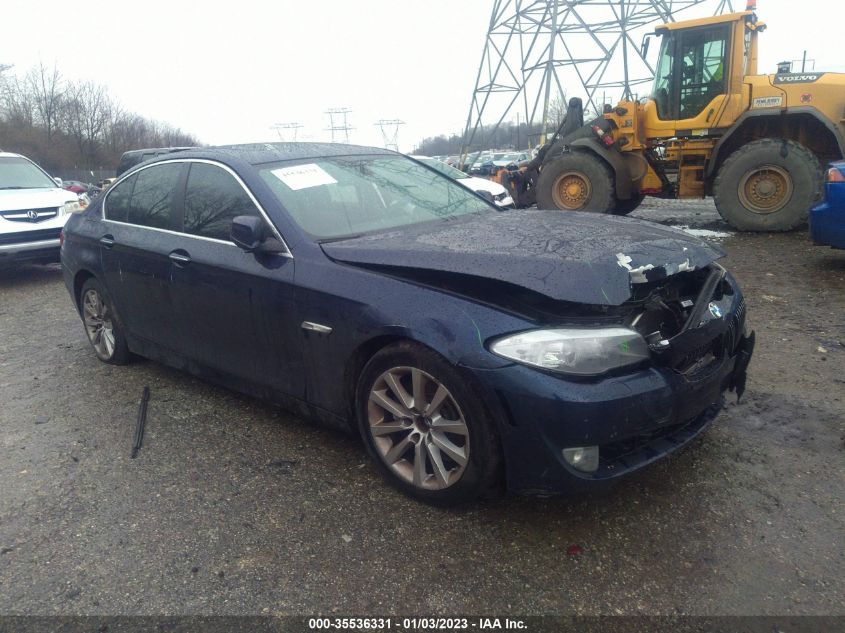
(506, 135)
(62, 124)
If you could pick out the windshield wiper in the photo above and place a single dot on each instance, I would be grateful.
(14, 187)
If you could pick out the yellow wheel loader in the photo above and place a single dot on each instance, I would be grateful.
(711, 127)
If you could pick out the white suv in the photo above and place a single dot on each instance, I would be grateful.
(33, 211)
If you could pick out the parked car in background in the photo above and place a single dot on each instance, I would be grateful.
(827, 219)
(498, 193)
(33, 210)
(467, 346)
(137, 156)
(75, 186)
(475, 165)
(514, 158)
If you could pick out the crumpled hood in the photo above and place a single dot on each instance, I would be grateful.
(577, 257)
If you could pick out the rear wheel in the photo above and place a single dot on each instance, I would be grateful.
(577, 181)
(426, 429)
(103, 330)
(768, 185)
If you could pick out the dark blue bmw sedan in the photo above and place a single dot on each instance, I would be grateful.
(470, 347)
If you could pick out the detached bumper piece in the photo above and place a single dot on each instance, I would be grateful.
(743, 359)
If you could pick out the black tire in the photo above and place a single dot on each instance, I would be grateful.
(768, 185)
(624, 207)
(116, 353)
(590, 176)
(480, 476)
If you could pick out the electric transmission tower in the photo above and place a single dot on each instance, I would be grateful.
(390, 132)
(291, 131)
(339, 124)
(539, 52)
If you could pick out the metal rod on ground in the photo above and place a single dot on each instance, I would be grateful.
(142, 420)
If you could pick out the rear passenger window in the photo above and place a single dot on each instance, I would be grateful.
(117, 203)
(152, 198)
(212, 199)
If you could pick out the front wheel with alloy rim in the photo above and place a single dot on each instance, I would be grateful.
(426, 429)
(768, 185)
(103, 330)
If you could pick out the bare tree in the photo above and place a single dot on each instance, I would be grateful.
(86, 110)
(64, 125)
(557, 110)
(48, 90)
(17, 102)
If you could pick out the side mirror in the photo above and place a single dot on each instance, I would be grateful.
(249, 234)
(487, 196)
(59, 182)
(644, 46)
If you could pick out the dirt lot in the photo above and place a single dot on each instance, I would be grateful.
(234, 507)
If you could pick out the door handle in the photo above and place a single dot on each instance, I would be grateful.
(107, 241)
(709, 114)
(180, 258)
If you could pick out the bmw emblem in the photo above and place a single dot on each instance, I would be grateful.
(715, 310)
(32, 215)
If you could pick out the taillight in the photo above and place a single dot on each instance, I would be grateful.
(834, 175)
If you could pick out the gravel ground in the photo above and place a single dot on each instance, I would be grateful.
(234, 507)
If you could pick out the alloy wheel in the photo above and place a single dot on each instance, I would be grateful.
(418, 429)
(98, 324)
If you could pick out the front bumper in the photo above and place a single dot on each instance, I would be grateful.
(635, 419)
(40, 250)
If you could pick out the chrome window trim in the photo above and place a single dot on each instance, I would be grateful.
(206, 161)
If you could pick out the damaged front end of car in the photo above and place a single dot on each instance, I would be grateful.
(692, 321)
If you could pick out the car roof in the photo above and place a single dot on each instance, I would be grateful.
(260, 153)
(11, 155)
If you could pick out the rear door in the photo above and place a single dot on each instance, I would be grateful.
(238, 307)
(135, 248)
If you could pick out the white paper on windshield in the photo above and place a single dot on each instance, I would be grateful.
(303, 176)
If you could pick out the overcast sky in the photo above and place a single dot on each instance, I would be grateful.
(228, 70)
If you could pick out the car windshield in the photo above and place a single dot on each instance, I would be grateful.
(443, 168)
(19, 173)
(337, 197)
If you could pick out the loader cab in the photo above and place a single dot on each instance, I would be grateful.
(691, 71)
(699, 75)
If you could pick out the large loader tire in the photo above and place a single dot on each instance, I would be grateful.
(768, 185)
(577, 181)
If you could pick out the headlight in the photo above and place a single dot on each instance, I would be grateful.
(71, 207)
(583, 352)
